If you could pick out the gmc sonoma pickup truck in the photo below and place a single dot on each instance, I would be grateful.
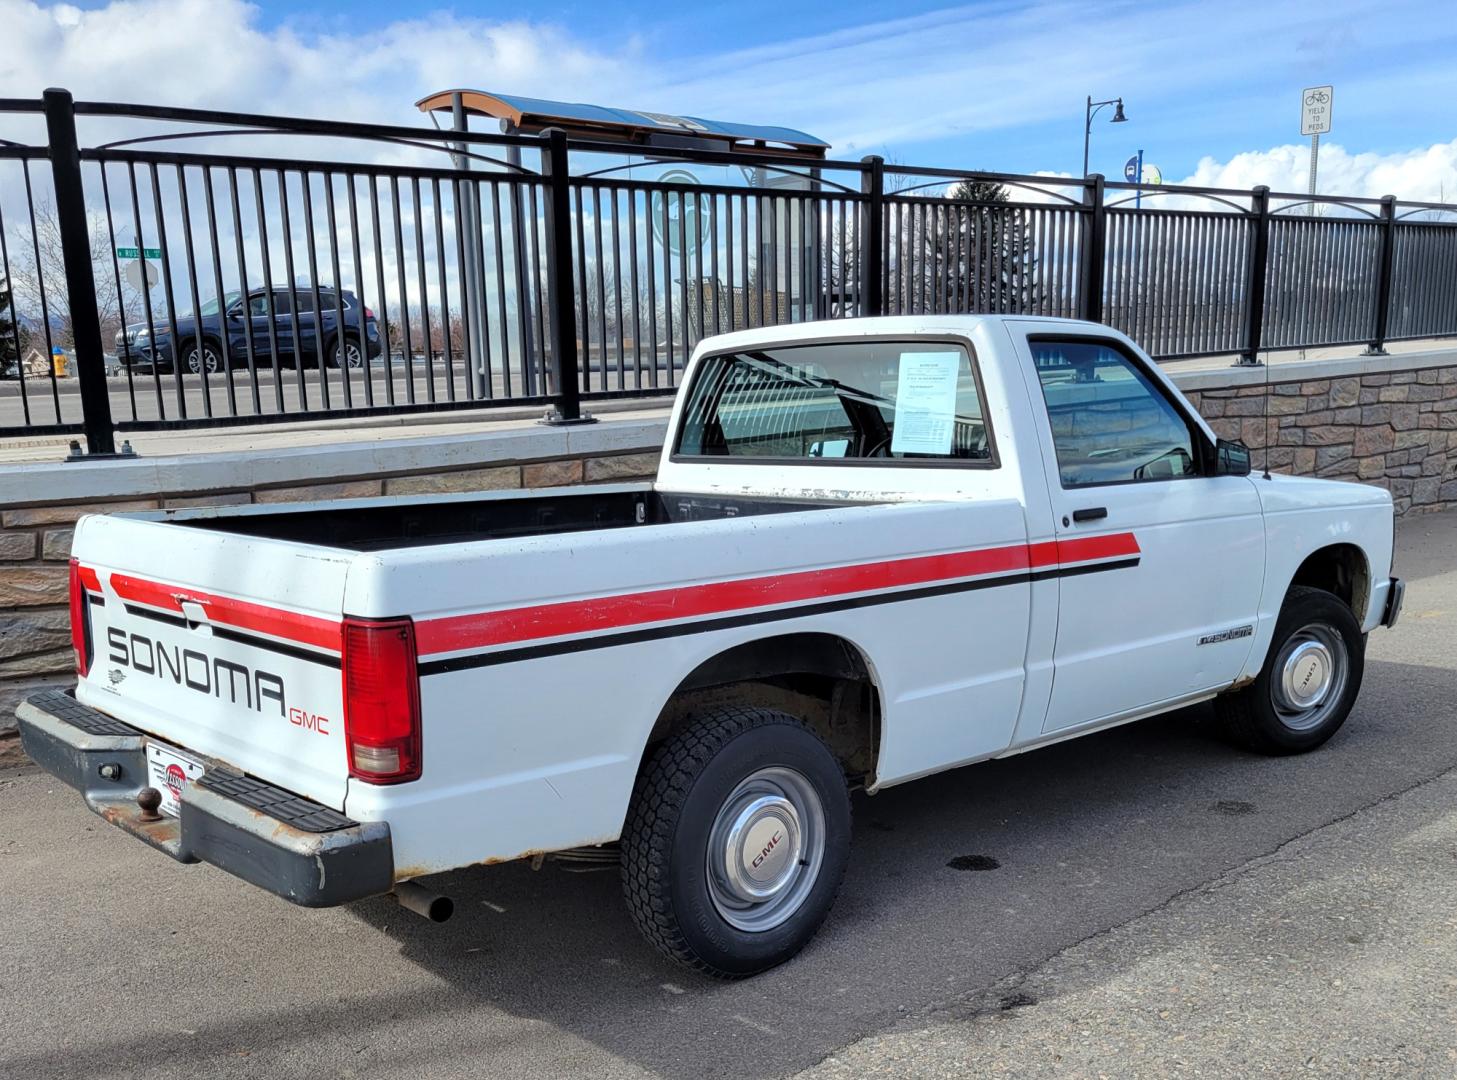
(874, 550)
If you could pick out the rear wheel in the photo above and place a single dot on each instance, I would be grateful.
(345, 353)
(1309, 682)
(736, 841)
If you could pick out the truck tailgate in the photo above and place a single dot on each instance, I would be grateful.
(224, 645)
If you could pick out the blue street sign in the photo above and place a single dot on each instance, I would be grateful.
(1132, 167)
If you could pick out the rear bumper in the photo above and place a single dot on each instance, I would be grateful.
(296, 849)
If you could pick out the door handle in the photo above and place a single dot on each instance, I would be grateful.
(1091, 513)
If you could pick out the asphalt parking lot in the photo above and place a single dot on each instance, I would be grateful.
(1059, 913)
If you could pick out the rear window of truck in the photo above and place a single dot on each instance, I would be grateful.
(867, 401)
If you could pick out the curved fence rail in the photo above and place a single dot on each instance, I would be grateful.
(181, 268)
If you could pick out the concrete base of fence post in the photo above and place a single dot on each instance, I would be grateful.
(553, 418)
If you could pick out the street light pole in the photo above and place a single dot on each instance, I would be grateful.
(1093, 108)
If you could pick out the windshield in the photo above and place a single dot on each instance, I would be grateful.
(211, 307)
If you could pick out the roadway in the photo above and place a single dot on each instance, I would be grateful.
(1303, 904)
(148, 396)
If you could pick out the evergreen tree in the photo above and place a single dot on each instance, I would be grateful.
(12, 334)
(982, 251)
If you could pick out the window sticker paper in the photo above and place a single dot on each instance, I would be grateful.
(925, 403)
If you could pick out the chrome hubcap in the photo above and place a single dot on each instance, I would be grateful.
(765, 849)
(1310, 676)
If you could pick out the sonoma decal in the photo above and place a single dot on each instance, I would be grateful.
(1227, 635)
(226, 680)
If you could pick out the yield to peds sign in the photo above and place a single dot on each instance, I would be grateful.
(1315, 109)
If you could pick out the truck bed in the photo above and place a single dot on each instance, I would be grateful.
(394, 523)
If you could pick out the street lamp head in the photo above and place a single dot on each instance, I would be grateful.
(1118, 117)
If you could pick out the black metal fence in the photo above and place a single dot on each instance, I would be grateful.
(391, 269)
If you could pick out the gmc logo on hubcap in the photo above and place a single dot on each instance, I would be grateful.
(770, 846)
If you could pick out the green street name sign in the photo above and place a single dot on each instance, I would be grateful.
(136, 253)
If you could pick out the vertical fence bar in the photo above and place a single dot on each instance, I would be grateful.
(15, 319)
(65, 156)
(1256, 273)
(500, 244)
(272, 306)
(243, 290)
(422, 282)
(1095, 230)
(1377, 347)
(872, 241)
(561, 309)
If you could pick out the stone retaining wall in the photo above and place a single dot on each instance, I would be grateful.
(35, 544)
(1395, 429)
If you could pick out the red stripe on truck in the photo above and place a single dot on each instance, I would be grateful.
(227, 611)
(457, 632)
(89, 581)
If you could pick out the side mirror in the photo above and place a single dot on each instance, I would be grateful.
(1231, 458)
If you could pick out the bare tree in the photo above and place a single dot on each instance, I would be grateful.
(39, 266)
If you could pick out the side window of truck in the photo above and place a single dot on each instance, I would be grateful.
(896, 402)
(1111, 423)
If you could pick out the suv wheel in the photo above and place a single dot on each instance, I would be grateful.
(346, 353)
(206, 358)
(1309, 682)
(736, 841)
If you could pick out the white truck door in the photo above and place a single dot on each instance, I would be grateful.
(1170, 559)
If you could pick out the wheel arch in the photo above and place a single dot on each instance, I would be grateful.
(1343, 570)
(823, 678)
(350, 335)
(206, 336)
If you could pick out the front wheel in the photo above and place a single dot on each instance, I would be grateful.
(203, 359)
(736, 841)
(1309, 682)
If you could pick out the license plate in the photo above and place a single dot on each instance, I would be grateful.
(171, 771)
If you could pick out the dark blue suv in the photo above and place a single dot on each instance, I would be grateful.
(214, 339)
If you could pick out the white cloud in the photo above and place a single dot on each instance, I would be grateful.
(971, 72)
(1425, 174)
(215, 54)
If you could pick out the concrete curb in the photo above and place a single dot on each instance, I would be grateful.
(1236, 376)
(61, 482)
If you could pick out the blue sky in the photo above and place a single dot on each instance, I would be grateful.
(1211, 88)
(1393, 65)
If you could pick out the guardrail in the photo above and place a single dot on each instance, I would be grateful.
(399, 269)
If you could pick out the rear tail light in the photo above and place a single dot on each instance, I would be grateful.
(80, 631)
(381, 700)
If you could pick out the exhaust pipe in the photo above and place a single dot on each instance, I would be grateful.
(423, 902)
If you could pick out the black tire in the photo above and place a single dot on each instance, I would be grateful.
(211, 359)
(334, 358)
(1260, 717)
(683, 790)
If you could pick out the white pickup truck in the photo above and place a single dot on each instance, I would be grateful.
(874, 550)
